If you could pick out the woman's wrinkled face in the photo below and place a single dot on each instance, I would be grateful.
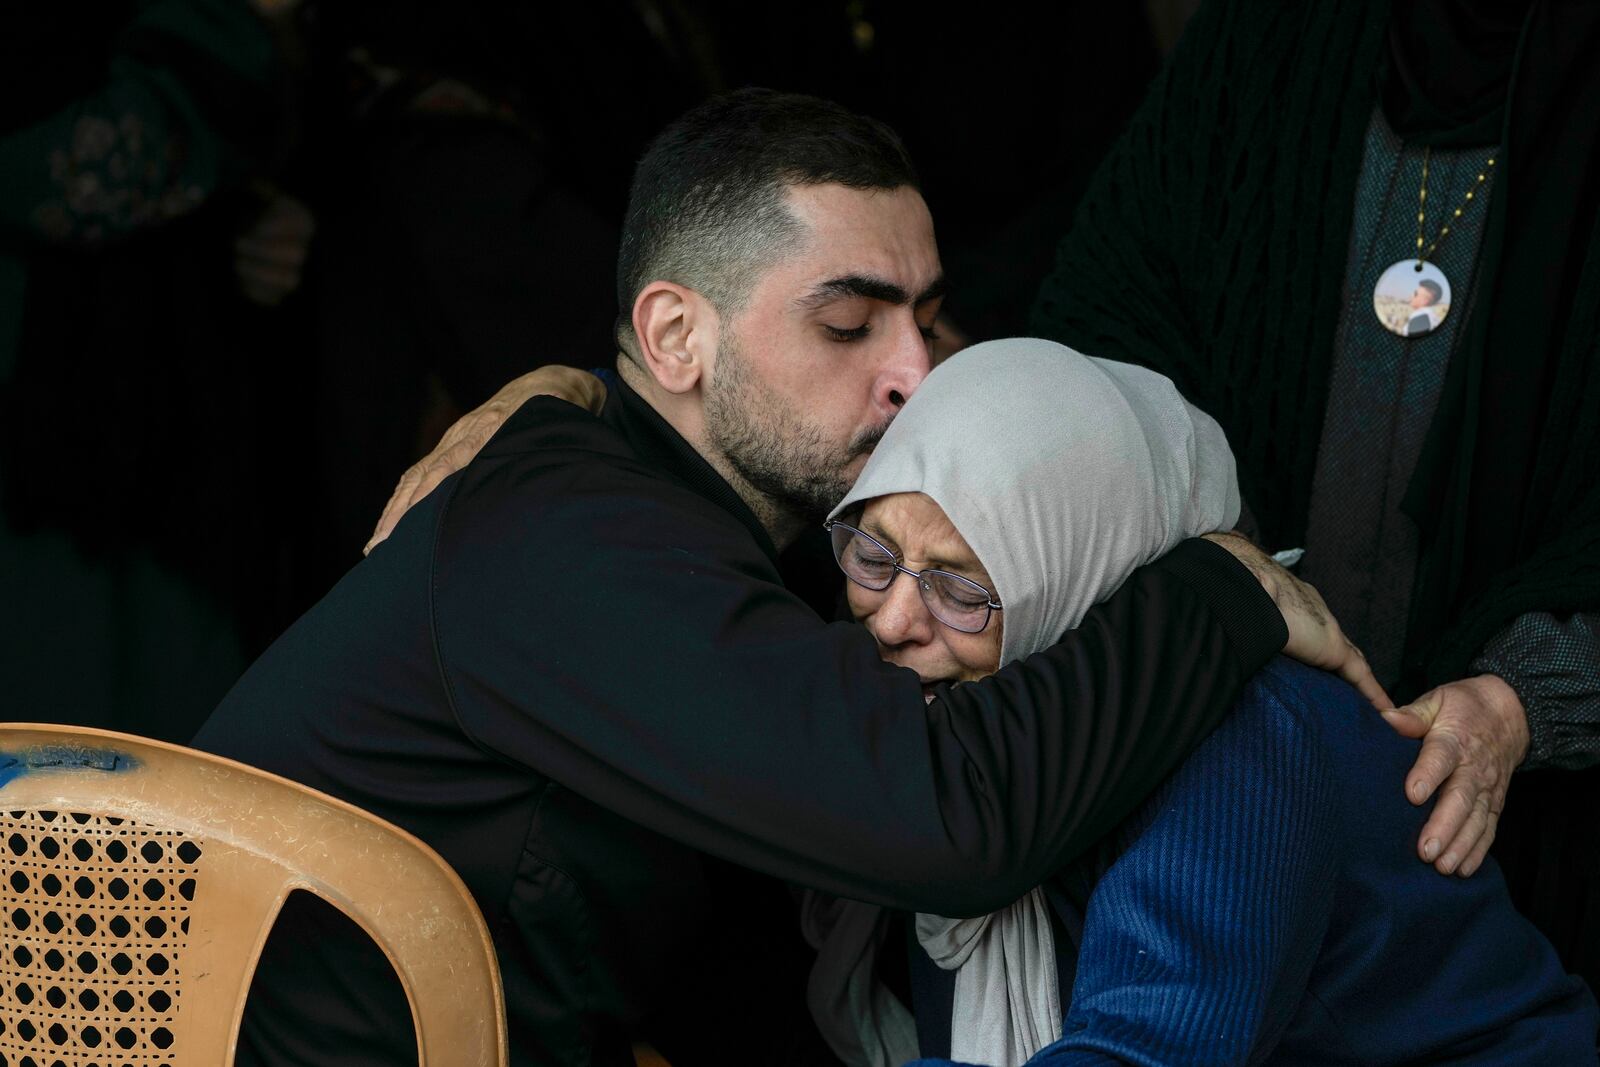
(920, 534)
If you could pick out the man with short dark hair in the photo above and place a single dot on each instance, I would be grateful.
(1423, 318)
(694, 250)
(576, 670)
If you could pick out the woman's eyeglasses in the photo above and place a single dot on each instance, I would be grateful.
(960, 603)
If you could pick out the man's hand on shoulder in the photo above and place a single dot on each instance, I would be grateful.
(1315, 637)
(1474, 735)
(472, 431)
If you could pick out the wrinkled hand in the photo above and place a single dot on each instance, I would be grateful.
(1474, 735)
(268, 257)
(1315, 637)
(472, 431)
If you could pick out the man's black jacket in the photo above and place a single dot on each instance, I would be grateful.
(574, 670)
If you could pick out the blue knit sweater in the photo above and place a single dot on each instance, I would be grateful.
(1266, 906)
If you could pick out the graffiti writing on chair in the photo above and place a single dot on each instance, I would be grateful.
(71, 757)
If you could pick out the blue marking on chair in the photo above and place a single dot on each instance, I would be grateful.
(46, 757)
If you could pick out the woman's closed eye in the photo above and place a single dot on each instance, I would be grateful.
(870, 562)
(959, 594)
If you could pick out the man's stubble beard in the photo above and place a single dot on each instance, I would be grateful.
(774, 450)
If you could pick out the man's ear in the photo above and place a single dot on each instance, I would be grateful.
(676, 329)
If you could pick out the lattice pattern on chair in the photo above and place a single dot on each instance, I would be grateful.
(91, 949)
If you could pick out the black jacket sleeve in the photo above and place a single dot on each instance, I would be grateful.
(608, 628)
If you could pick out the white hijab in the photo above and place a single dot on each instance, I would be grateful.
(1064, 473)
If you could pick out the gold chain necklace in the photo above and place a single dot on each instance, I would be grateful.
(1412, 296)
(1422, 204)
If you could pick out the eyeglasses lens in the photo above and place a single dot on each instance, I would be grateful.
(863, 560)
(955, 601)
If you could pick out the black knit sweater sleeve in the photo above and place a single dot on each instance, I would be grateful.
(1207, 248)
(1115, 288)
(1121, 287)
(611, 630)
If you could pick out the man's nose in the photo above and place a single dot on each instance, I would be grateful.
(903, 619)
(905, 365)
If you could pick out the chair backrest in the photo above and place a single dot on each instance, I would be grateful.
(140, 880)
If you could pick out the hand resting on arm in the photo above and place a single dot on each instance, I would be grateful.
(467, 436)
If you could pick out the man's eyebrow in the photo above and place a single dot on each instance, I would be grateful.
(861, 285)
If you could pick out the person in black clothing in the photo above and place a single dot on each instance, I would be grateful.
(577, 670)
(134, 146)
(1445, 487)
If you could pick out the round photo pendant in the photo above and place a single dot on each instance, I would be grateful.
(1411, 298)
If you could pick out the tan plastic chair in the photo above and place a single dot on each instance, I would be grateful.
(140, 882)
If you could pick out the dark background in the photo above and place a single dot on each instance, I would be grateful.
(184, 469)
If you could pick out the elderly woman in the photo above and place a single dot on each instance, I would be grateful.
(1265, 906)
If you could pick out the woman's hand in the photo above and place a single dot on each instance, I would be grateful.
(472, 431)
(1474, 735)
